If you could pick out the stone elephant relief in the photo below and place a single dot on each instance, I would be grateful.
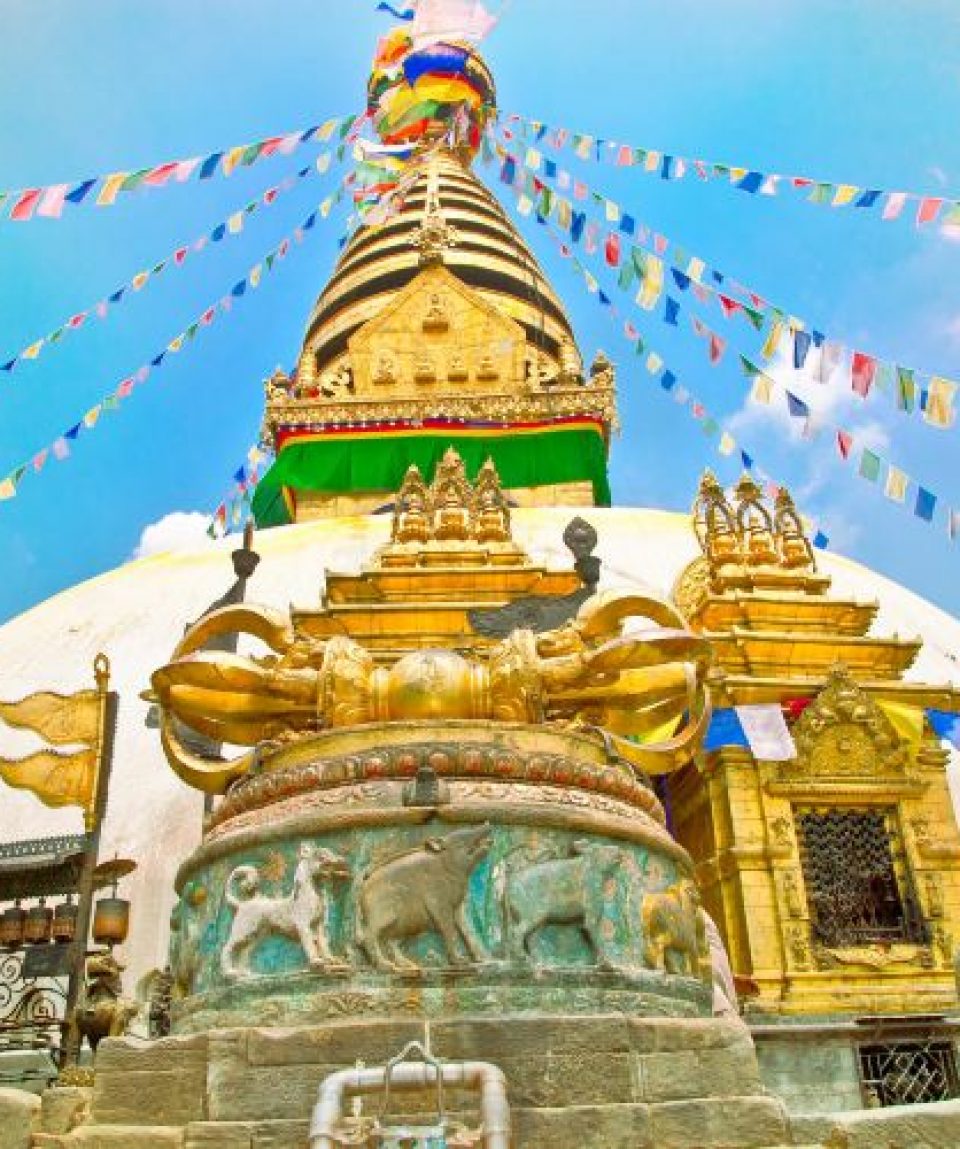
(302, 914)
(675, 938)
(421, 890)
(562, 891)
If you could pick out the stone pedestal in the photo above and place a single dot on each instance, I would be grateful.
(586, 1082)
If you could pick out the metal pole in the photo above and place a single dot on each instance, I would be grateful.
(70, 1040)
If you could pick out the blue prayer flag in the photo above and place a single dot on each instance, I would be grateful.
(578, 223)
(209, 165)
(628, 225)
(926, 503)
(945, 725)
(159, 359)
(665, 167)
(747, 460)
(752, 182)
(671, 311)
(238, 288)
(218, 232)
(680, 278)
(801, 348)
(821, 541)
(867, 199)
(725, 730)
(668, 380)
(405, 14)
(796, 406)
(81, 191)
(117, 296)
(73, 432)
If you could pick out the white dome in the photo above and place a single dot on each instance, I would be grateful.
(136, 614)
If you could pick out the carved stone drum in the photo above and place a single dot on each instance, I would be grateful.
(435, 870)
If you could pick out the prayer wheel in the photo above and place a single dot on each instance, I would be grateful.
(39, 924)
(12, 926)
(111, 921)
(65, 921)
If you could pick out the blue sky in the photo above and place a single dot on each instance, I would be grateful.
(859, 91)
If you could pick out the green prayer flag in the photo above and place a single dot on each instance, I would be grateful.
(869, 466)
(906, 389)
(751, 370)
(269, 260)
(250, 154)
(159, 267)
(111, 403)
(628, 273)
(710, 426)
(135, 179)
(56, 336)
(251, 207)
(18, 474)
(755, 317)
(822, 193)
(191, 330)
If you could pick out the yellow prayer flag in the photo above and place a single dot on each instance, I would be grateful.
(845, 193)
(762, 389)
(533, 159)
(111, 188)
(940, 396)
(654, 363)
(255, 275)
(652, 162)
(327, 129)
(524, 205)
(91, 417)
(326, 206)
(907, 721)
(8, 489)
(323, 162)
(773, 341)
(613, 212)
(727, 444)
(139, 280)
(652, 285)
(231, 159)
(32, 351)
(592, 285)
(737, 174)
(564, 213)
(175, 344)
(896, 486)
(235, 223)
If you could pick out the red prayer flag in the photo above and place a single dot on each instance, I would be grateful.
(717, 347)
(26, 205)
(794, 707)
(928, 210)
(801, 182)
(270, 195)
(612, 249)
(76, 321)
(863, 373)
(729, 306)
(660, 244)
(159, 176)
(625, 156)
(701, 169)
(844, 444)
(180, 254)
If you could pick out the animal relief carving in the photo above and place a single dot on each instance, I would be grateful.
(302, 914)
(674, 932)
(563, 891)
(422, 890)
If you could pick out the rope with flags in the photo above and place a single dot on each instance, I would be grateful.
(727, 446)
(60, 448)
(627, 244)
(886, 205)
(49, 201)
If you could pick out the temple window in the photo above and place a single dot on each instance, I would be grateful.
(859, 889)
(908, 1073)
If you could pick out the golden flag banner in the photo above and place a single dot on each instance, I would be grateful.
(58, 718)
(76, 720)
(56, 779)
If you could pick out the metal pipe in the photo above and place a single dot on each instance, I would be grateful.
(478, 1076)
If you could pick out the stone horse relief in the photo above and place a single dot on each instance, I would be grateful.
(422, 890)
(564, 892)
(302, 914)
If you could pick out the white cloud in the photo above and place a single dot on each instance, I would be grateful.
(180, 530)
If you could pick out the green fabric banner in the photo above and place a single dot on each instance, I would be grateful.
(379, 462)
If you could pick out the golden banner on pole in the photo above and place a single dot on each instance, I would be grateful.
(61, 779)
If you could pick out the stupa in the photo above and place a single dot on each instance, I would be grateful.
(465, 813)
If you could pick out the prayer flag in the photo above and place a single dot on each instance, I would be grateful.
(60, 449)
(896, 485)
(671, 311)
(654, 363)
(869, 466)
(844, 443)
(81, 191)
(752, 182)
(158, 176)
(727, 444)
(906, 389)
(717, 347)
(612, 249)
(845, 194)
(111, 189)
(725, 729)
(801, 348)
(51, 205)
(939, 409)
(8, 489)
(894, 205)
(863, 372)
(767, 733)
(26, 205)
(762, 389)
(821, 541)
(945, 725)
(772, 343)
(953, 524)
(928, 210)
(40, 458)
(925, 505)
(209, 165)
(830, 356)
(796, 406)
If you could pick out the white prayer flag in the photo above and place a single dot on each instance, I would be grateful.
(767, 732)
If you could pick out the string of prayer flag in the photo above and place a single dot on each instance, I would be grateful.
(60, 448)
(104, 190)
(231, 226)
(886, 205)
(930, 396)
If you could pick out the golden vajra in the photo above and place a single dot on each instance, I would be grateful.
(644, 689)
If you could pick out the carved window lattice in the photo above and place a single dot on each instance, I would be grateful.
(858, 886)
(908, 1073)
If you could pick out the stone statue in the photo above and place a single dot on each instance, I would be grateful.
(302, 914)
(101, 1010)
(425, 889)
(563, 891)
(674, 931)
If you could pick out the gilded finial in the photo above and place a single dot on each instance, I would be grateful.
(715, 524)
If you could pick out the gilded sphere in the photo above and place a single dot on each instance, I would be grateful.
(434, 684)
